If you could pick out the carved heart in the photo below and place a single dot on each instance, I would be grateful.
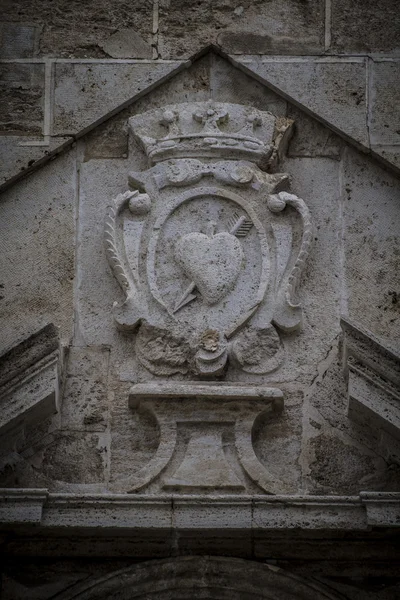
(212, 263)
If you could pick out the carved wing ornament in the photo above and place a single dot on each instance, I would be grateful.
(111, 242)
(210, 256)
(129, 314)
(289, 314)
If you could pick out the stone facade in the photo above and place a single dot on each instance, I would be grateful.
(200, 293)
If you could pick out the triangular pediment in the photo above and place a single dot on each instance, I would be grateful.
(329, 92)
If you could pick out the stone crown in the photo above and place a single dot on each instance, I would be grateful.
(205, 130)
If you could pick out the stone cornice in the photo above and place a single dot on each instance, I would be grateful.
(30, 380)
(124, 513)
(372, 371)
(363, 347)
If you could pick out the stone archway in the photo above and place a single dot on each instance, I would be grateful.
(207, 578)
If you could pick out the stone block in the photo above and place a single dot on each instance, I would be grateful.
(383, 509)
(22, 507)
(312, 513)
(88, 91)
(100, 182)
(85, 403)
(316, 181)
(311, 138)
(282, 27)
(18, 40)
(221, 513)
(343, 465)
(37, 246)
(373, 380)
(390, 154)
(89, 24)
(135, 435)
(127, 43)
(332, 90)
(74, 457)
(192, 390)
(370, 405)
(203, 524)
(385, 103)
(277, 442)
(364, 26)
(22, 90)
(230, 84)
(17, 158)
(371, 246)
(115, 512)
(190, 84)
(108, 140)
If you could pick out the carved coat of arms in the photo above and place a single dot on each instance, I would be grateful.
(208, 244)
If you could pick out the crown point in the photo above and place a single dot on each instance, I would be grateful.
(231, 131)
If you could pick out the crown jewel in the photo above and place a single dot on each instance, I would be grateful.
(206, 130)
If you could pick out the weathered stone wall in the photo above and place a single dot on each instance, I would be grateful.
(352, 271)
(73, 73)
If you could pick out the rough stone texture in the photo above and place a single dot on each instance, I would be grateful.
(317, 180)
(228, 84)
(288, 27)
(371, 213)
(136, 434)
(97, 188)
(349, 452)
(37, 247)
(312, 139)
(390, 154)
(16, 158)
(22, 90)
(110, 140)
(373, 383)
(339, 466)
(18, 41)
(280, 436)
(140, 528)
(127, 43)
(362, 26)
(335, 91)
(86, 92)
(88, 24)
(85, 406)
(385, 83)
(74, 457)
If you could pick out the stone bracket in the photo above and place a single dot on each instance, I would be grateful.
(207, 413)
